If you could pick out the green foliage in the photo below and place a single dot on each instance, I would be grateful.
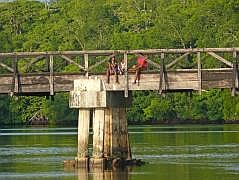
(23, 108)
(58, 110)
(4, 110)
(160, 109)
(119, 24)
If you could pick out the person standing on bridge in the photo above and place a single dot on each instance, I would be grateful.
(142, 64)
(112, 69)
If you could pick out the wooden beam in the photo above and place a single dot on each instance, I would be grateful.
(236, 59)
(153, 63)
(15, 78)
(176, 80)
(126, 90)
(51, 80)
(98, 63)
(6, 67)
(176, 60)
(72, 62)
(86, 59)
(109, 52)
(220, 59)
(37, 59)
(234, 74)
(162, 76)
(199, 73)
(101, 62)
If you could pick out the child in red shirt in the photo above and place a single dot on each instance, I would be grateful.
(141, 65)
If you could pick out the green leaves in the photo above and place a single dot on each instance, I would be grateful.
(119, 24)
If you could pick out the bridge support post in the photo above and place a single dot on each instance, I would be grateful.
(83, 137)
(110, 131)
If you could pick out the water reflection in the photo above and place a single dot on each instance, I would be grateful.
(171, 152)
(99, 174)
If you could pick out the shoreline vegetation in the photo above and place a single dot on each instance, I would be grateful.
(118, 24)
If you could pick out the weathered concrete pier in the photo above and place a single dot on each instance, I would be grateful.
(110, 132)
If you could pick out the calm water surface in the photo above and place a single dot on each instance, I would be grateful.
(171, 152)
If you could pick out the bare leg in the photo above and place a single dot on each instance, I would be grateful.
(137, 75)
(108, 76)
(116, 77)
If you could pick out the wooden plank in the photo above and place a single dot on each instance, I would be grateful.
(37, 59)
(216, 76)
(216, 84)
(6, 67)
(236, 56)
(72, 62)
(234, 74)
(162, 76)
(101, 62)
(199, 73)
(126, 90)
(220, 59)
(64, 82)
(51, 80)
(176, 60)
(153, 85)
(153, 63)
(86, 59)
(109, 52)
(15, 78)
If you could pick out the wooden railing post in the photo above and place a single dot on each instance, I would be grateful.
(15, 78)
(86, 59)
(126, 90)
(199, 73)
(162, 75)
(234, 74)
(51, 75)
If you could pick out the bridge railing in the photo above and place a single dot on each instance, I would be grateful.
(94, 61)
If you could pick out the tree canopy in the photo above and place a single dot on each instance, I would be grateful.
(119, 24)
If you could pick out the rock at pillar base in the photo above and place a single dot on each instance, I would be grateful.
(98, 163)
(77, 163)
(102, 163)
(82, 163)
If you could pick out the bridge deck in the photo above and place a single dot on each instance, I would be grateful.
(187, 79)
(89, 62)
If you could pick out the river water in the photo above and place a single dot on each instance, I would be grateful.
(171, 152)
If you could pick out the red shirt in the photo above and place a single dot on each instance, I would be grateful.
(142, 62)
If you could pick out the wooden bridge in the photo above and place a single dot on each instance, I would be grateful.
(45, 73)
(21, 75)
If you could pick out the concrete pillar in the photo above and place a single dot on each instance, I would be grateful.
(97, 160)
(110, 131)
(98, 132)
(107, 133)
(120, 143)
(83, 137)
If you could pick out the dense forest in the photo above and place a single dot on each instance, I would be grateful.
(119, 24)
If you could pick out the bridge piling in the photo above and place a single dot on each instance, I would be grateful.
(110, 132)
(83, 137)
